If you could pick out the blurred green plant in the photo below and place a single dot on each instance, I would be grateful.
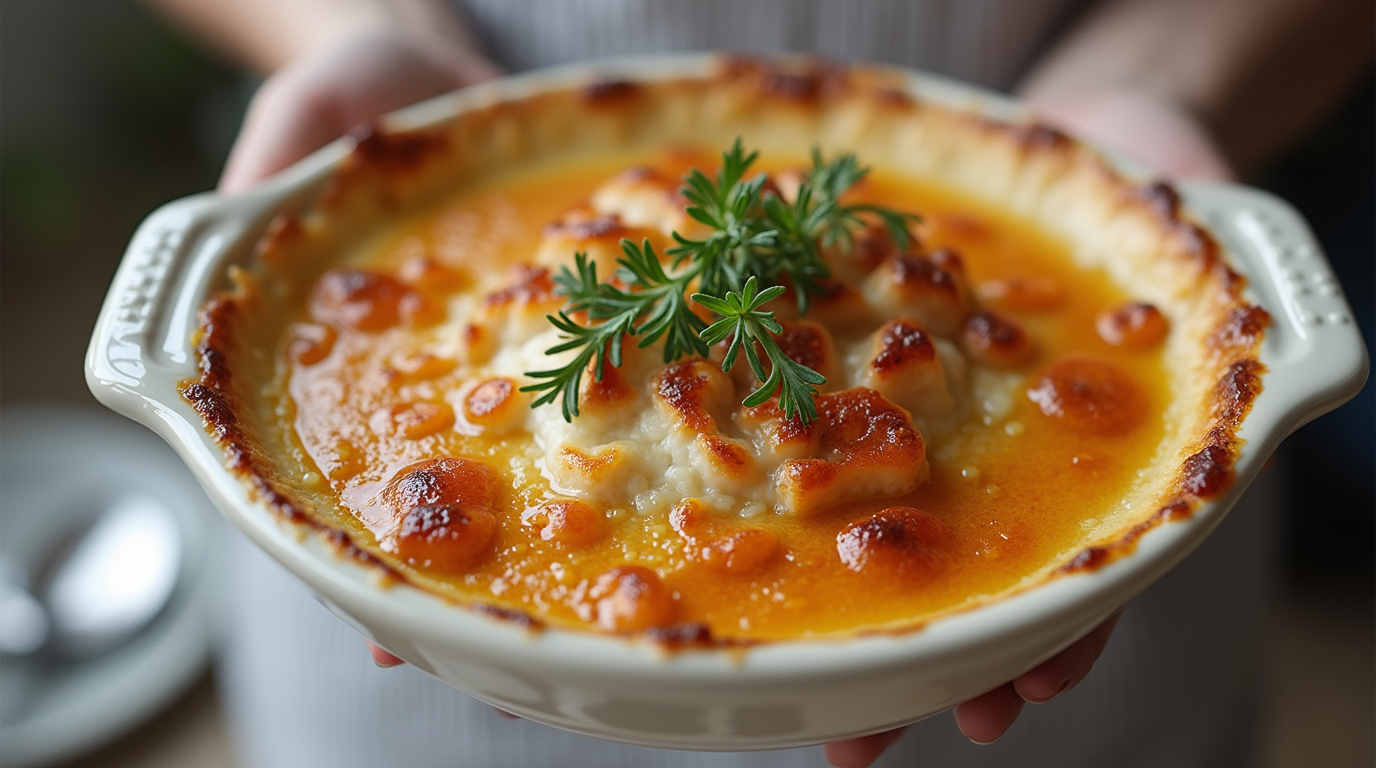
(39, 191)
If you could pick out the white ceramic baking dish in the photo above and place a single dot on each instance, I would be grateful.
(770, 696)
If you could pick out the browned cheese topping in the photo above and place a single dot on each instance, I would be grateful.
(983, 396)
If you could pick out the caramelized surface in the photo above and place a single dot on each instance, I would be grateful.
(425, 453)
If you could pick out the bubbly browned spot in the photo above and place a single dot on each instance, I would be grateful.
(606, 393)
(586, 225)
(951, 262)
(1037, 136)
(394, 151)
(343, 461)
(638, 173)
(810, 344)
(1205, 474)
(309, 342)
(1089, 395)
(443, 481)
(691, 390)
(610, 92)
(872, 246)
(896, 543)
(923, 273)
(717, 544)
(644, 175)
(426, 274)
(477, 342)
(902, 343)
(1164, 200)
(922, 288)
(835, 305)
(590, 463)
(446, 537)
(494, 406)
(283, 231)
(589, 471)
(490, 395)
(726, 456)
(526, 284)
(646, 201)
(812, 83)
(570, 522)
(422, 366)
(446, 513)
(790, 438)
(867, 448)
(957, 226)
(413, 421)
(631, 598)
(996, 341)
(361, 299)
(1037, 293)
(1241, 330)
(1237, 389)
(739, 552)
(420, 311)
(1135, 325)
(863, 427)
(696, 396)
(904, 367)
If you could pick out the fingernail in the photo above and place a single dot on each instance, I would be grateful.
(1059, 691)
(991, 741)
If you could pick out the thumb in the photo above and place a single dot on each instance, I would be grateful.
(278, 131)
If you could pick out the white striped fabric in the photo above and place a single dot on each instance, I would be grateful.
(989, 42)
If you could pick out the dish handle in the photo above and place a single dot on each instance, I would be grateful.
(130, 342)
(142, 347)
(1314, 353)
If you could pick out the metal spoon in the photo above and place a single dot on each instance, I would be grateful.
(99, 592)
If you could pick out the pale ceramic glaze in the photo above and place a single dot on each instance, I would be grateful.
(775, 695)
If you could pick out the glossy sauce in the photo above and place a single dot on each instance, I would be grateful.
(366, 398)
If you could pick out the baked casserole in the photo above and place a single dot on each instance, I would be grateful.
(1044, 360)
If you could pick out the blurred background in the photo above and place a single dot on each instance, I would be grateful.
(106, 113)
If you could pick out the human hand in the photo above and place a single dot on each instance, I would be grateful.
(320, 96)
(986, 717)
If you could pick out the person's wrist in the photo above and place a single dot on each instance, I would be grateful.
(446, 50)
(352, 79)
(458, 56)
(1141, 124)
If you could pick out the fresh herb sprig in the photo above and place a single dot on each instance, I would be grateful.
(746, 325)
(757, 242)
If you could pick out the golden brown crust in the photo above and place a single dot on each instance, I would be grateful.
(895, 545)
(996, 341)
(1088, 395)
(570, 522)
(1048, 176)
(870, 446)
(741, 552)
